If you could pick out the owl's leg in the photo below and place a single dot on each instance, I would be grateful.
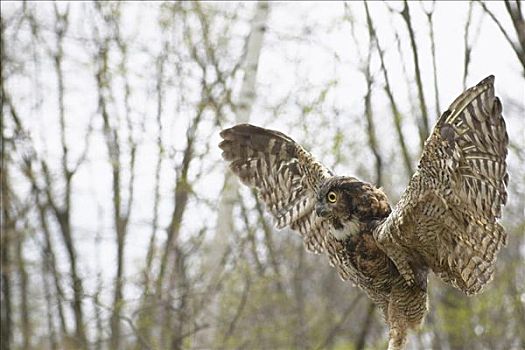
(406, 310)
(397, 338)
(398, 328)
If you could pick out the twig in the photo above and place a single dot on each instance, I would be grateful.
(424, 128)
(430, 15)
(395, 111)
(339, 324)
(124, 318)
(370, 125)
(468, 48)
(238, 312)
(519, 52)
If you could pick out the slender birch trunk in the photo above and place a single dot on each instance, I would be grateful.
(225, 226)
(244, 106)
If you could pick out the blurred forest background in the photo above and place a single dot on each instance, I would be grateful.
(122, 228)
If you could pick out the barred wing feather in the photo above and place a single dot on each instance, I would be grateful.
(286, 176)
(448, 215)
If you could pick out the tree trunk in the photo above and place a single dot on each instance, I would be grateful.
(229, 195)
(24, 290)
(6, 325)
(247, 97)
(63, 215)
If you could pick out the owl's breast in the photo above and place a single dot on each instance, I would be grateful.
(370, 260)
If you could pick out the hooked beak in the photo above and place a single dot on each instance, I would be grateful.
(321, 210)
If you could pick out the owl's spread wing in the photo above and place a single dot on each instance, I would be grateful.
(286, 176)
(448, 215)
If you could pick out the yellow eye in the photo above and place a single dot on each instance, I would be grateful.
(332, 197)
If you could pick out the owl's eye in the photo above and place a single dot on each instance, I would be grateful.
(332, 197)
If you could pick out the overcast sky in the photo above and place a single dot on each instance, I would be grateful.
(308, 46)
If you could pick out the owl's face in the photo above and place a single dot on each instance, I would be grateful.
(348, 203)
(336, 200)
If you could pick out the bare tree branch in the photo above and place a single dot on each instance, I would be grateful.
(430, 15)
(238, 312)
(424, 125)
(468, 47)
(340, 323)
(388, 89)
(519, 24)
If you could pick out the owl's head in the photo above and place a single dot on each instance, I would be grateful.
(347, 203)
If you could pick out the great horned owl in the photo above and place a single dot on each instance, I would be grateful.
(446, 220)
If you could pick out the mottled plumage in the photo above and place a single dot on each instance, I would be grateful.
(446, 220)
